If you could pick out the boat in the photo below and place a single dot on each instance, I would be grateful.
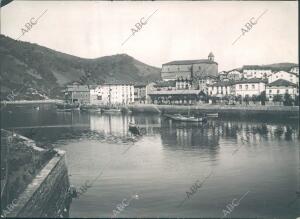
(212, 115)
(111, 110)
(181, 118)
(134, 129)
(90, 108)
(67, 106)
(36, 107)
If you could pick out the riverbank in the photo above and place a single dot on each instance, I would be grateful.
(223, 110)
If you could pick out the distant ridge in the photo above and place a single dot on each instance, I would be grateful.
(48, 71)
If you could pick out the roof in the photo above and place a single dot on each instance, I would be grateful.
(282, 82)
(293, 73)
(165, 84)
(140, 84)
(251, 80)
(115, 82)
(249, 67)
(190, 62)
(211, 54)
(222, 83)
(78, 88)
(175, 92)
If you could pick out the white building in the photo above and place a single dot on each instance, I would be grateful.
(113, 93)
(234, 75)
(254, 71)
(250, 87)
(221, 89)
(281, 87)
(295, 70)
(288, 76)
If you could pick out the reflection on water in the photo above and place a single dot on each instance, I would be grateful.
(247, 156)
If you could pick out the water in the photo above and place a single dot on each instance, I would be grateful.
(255, 161)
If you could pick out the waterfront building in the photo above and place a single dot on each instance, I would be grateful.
(281, 87)
(249, 87)
(188, 69)
(113, 93)
(221, 89)
(295, 69)
(288, 76)
(174, 96)
(256, 71)
(234, 75)
(77, 93)
(140, 93)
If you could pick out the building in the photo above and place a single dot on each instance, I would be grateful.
(183, 84)
(221, 89)
(234, 75)
(295, 70)
(204, 82)
(281, 87)
(223, 76)
(288, 76)
(249, 87)
(140, 93)
(189, 69)
(77, 93)
(256, 71)
(165, 85)
(95, 95)
(113, 93)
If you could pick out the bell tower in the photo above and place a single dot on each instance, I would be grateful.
(211, 56)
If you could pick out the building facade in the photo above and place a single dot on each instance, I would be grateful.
(281, 87)
(221, 89)
(295, 70)
(288, 76)
(140, 93)
(234, 75)
(188, 69)
(254, 71)
(113, 94)
(250, 87)
(77, 93)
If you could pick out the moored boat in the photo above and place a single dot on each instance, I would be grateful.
(111, 110)
(181, 118)
(67, 106)
(212, 115)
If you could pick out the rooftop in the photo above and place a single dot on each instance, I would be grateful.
(175, 92)
(165, 84)
(250, 67)
(281, 82)
(251, 80)
(190, 62)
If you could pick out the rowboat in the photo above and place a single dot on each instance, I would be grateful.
(112, 110)
(181, 118)
(212, 115)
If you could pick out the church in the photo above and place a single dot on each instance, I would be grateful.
(189, 69)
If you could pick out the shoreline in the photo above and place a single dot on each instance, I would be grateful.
(31, 101)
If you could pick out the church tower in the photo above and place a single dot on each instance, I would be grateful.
(211, 56)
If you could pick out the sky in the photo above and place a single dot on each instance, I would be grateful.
(176, 31)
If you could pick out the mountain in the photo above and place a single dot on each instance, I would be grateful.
(32, 70)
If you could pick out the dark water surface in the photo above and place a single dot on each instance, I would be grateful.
(254, 162)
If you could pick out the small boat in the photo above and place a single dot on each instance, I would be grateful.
(67, 106)
(111, 110)
(134, 129)
(212, 115)
(36, 107)
(90, 108)
(181, 118)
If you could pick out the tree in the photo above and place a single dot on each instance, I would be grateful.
(277, 98)
(287, 100)
(247, 99)
(297, 100)
(262, 98)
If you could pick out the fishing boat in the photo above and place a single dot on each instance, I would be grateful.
(67, 106)
(212, 115)
(181, 118)
(90, 108)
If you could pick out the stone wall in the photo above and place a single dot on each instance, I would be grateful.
(47, 195)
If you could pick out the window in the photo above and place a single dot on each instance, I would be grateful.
(253, 86)
(246, 86)
(99, 97)
(287, 91)
(270, 91)
(278, 91)
(241, 86)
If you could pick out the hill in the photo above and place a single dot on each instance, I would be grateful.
(36, 72)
